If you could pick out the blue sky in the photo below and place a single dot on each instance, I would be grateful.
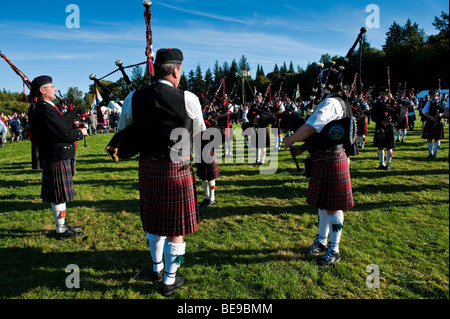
(34, 35)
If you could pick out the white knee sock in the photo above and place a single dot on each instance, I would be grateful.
(173, 257)
(388, 157)
(324, 228)
(59, 213)
(205, 185)
(156, 244)
(430, 148)
(381, 156)
(398, 134)
(403, 135)
(436, 147)
(263, 155)
(212, 188)
(258, 154)
(336, 224)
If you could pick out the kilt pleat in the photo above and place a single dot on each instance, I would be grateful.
(330, 185)
(208, 172)
(168, 199)
(433, 130)
(57, 181)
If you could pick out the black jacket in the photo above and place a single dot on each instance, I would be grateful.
(53, 133)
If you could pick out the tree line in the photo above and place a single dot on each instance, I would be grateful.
(413, 58)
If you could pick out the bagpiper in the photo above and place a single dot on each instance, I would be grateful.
(434, 129)
(168, 198)
(208, 168)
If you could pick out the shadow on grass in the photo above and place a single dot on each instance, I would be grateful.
(104, 272)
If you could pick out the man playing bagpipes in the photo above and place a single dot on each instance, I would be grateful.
(327, 134)
(386, 114)
(360, 109)
(151, 123)
(208, 168)
(55, 136)
(277, 109)
(329, 189)
(225, 121)
(260, 117)
(402, 126)
(433, 131)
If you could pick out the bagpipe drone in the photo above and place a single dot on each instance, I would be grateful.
(336, 132)
(124, 143)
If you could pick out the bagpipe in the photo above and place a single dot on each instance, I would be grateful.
(70, 116)
(123, 144)
(327, 80)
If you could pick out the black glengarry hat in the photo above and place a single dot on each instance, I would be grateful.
(38, 82)
(169, 56)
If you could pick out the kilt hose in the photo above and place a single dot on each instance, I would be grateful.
(330, 185)
(168, 199)
(57, 181)
(433, 130)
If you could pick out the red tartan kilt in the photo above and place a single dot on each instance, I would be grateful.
(403, 125)
(208, 172)
(57, 181)
(362, 127)
(433, 130)
(168, 198)
(330, 186)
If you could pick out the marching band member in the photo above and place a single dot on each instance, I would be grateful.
(434, 129)
(260, 115)
(330, 189)
(168, 199)
(385, 114)
(55, 138)
(208, 172)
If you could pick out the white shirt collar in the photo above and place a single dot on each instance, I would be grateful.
(165, 82)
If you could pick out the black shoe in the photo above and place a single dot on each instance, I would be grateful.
(168, 290)
(381, 167)
(207, 203)
(158, 276)
(74, 228)
(68, 234)
(387, 168)
(316, 248)
(331, 257)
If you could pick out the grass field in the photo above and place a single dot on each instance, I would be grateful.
(248, 246)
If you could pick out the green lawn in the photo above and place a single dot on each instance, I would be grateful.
(248, 246)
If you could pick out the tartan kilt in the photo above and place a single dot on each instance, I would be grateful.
(57, 181)
(330, 186)
(384, 137)
(433, 130)
(168, 199)
(402, 125)
(362, 127)
(208, 172)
